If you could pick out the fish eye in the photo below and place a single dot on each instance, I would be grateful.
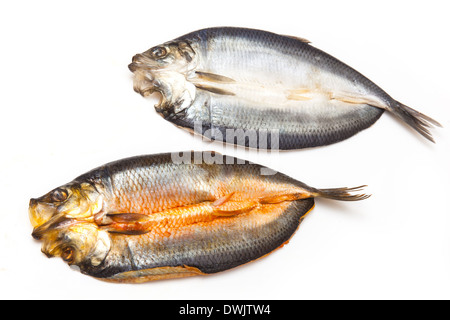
(159, 52)
(59, 195)
(67, 254)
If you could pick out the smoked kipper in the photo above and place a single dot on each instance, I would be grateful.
(172, 215)
(263, 90)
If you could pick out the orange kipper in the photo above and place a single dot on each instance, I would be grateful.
(165, 216)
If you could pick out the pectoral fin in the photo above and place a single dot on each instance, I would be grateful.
(212, 77)
(212, 82)
(128, 217)
(127, 223)
(213, 89)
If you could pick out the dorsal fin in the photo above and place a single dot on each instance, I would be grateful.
(299, 39)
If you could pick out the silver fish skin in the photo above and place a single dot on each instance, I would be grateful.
(264, 90)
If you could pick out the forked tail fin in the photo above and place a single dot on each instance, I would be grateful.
(343, 194)
(418, 121)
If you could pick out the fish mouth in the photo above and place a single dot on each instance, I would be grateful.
(45, 218)
(133, 67)
(136, 62)
(143, 82)
(55, 223)
(141, 62)
(144, 88)
(143, 68)
(40, 213)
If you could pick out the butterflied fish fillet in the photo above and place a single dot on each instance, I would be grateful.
(263, 90)
(165, 216)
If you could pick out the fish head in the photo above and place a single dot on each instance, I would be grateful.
(75, 200)
(171, 56)
(164, 69)
(64, 220)
(78, 243)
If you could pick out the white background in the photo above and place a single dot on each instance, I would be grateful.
(67, 106)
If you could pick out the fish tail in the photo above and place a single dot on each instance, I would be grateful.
(416, 120)
(343, 194)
